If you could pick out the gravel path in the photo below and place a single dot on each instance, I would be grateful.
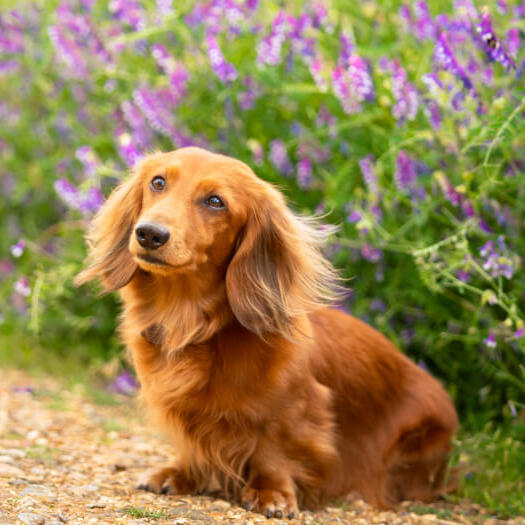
(64, 459)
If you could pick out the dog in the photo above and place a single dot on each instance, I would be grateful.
(270, 396)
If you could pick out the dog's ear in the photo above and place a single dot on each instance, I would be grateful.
(108, 237)
(278, 271)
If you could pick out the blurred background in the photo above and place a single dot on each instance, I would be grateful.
(402, 123)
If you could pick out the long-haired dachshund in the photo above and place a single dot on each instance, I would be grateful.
(270, 396)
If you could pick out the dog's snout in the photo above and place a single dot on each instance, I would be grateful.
(151, 236)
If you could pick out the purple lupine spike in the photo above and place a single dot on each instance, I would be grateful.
(512, 40)
(88, 158)
(92, 201)
(141, 133)
(164, 7)
(269, 48)
(67, 51)
(353, 84)
(369, 174)
(405, 174)
(279, 157)
(128, 152)
(129, 12)
(8, 66)
(179, 80)
(304, 172)
(347, 49)
(224, 70)
(492, 45)
(405, 95)
(153, 105)
(445, 57)
(424, 26)
(68, 193)
(433, 114)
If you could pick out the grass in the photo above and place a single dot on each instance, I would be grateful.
(493, 462)
(135, 512)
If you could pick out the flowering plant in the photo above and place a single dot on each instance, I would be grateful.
(403, 126)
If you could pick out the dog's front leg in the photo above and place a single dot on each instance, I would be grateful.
(270, 489)
(167, 480)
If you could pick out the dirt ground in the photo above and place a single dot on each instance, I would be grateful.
(65, 459)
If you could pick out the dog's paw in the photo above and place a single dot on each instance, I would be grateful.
(167, 480)
(271, 503)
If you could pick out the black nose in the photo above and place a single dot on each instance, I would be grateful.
(151, 236)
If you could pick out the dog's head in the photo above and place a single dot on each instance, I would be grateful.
(191, 211)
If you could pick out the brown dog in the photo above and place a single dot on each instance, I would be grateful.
(269, 396)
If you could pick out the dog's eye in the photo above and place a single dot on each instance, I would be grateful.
(214, 202)
(158, 183)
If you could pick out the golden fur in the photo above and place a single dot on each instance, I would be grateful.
(269, 396)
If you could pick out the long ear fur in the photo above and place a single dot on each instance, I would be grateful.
(278, 271)
(108, 237)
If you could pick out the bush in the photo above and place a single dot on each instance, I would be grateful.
(400, 122)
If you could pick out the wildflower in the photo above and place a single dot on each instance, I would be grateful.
(433, 114)
(6, 268)
(496, 260)
(354, 216)
(519, 333)
(224, 70)
(142, 135)
(347, 49)
(405, 95)
(279, 157)
(153, 104)
(490, 341)
(304, 172)
(22, 287)
(424, 27)
(445, 57)
(125, 384)
(8, 66)
(67, 51)
(405, 174)
(88, 158)
(92, 201)
(369, 174)
(68, 193)
(316, 70)
(18, 249)
(353, 84)
(371, 254)
(492, 45)
(463, 276)
(127, 149)
(128, 12)
(512, 40)
(269, 48)
(165, 7)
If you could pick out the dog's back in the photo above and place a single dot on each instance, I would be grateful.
(394, 420)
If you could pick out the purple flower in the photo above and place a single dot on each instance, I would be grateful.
(279, 157)
(6, 268)
(304, 172)
(165, 7)
(154, 105)
(224, 70)
(369, 174)
(347, 49)
(22, 287)
(463, 276)
(316, 70)
(512, 40)
(405, 95)
(444, 57)
(371, 254)
(125, 384)
(142, 135)
(354, 216)
(18, 249)
(88, 158)
(352, 84)
(129, 12)
(490, 341)
(68, 193)
(519, 333)
(492, 45)
(405, 174)
(424, 27)
(8, 66)
(269, 48)
(67, 50)
(128, 151)
(496, 260)
(92, 201)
